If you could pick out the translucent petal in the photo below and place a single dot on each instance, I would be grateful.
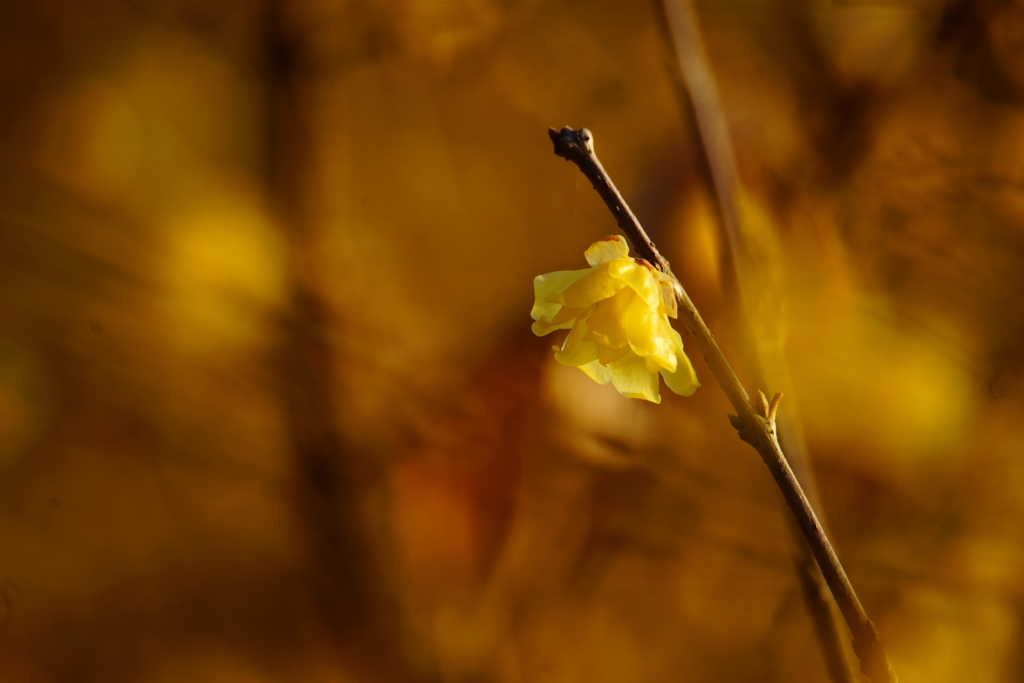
(541, 327)
(639, 277)
(668, 294)
(606, 249)
(650, 335)
(597, 372)
(596, 286)
(653, 365)
(568, 314)
(576, 351)
(578, 355)
(545, 286)
(563, 320)
(609, 355)
(684, 380)
(631, 378)
(605, 325)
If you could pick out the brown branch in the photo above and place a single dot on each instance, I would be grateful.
(757, 430)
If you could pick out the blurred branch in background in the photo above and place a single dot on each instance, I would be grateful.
(760, 307)
(335, 482)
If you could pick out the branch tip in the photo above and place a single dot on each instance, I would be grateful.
(776, 399)
(572, 145)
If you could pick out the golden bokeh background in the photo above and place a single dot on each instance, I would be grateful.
(270, 407)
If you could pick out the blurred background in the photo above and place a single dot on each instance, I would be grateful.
(270, 406)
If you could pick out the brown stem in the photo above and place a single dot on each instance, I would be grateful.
(757, 430)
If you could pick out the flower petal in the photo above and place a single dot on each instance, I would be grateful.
(631, 378)
(668, 294)
(605, 325)
(606, 249)
(544, 286)
(650, 335)
(597, 372)
(595, 286)
(542, 327)
(684, 380)
(563, 320)
(608, 355)
(576, 350)
(639, 276)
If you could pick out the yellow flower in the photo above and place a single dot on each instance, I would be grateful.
(618, 311)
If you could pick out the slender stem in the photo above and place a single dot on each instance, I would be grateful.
(756, 429)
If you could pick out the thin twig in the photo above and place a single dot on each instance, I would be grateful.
(698, 85)
(756, 429)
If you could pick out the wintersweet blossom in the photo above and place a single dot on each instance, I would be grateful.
(618, 312)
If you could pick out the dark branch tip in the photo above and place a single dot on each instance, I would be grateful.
(571, 143)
